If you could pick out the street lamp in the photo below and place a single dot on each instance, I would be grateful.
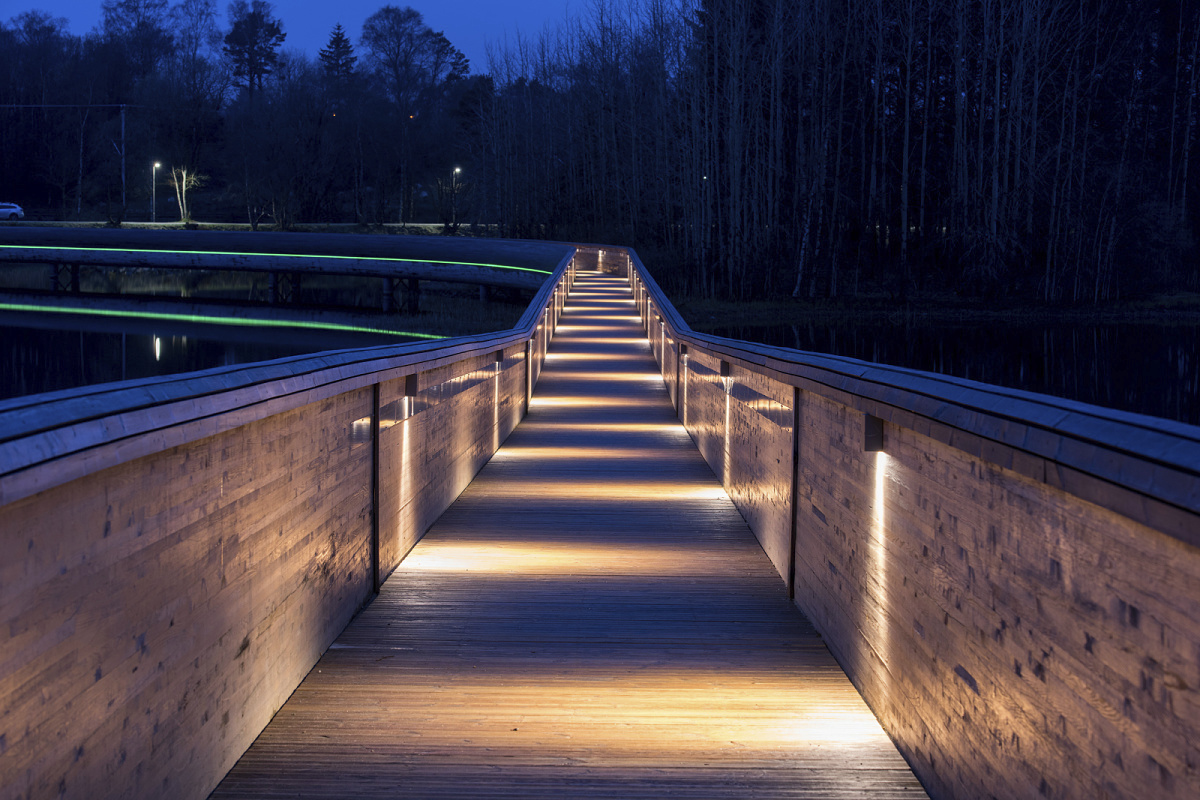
(154, 192)
(454, 197)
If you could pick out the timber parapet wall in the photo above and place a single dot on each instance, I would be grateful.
(176, 554)
(1012, 581)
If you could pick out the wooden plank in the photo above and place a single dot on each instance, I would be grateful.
(591, 618)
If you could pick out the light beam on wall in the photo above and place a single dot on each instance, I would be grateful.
(727, 460)
(879, 566)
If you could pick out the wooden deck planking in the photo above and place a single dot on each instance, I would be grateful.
(591, 618)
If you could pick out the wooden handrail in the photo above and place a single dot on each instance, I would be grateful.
(47, 440)
(1142, 467)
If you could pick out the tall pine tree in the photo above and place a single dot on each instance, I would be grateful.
(338, 58)
(252, 45)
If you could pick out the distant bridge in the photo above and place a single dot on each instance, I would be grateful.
(561, 600)
(286, 259)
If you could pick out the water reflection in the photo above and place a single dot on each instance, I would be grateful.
(1147, 369)
(47, 352)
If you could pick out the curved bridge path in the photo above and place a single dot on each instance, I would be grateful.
(591, 618)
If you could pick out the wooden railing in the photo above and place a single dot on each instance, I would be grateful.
(175, 554)
(1011, 580)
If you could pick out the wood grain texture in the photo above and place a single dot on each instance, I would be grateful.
(427, 460)
(154, 615)
(169, 576)
(591, 618)
(52, 439)
(742, 434)
(1143, 468)
(1015, 638)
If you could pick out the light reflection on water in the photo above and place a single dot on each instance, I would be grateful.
(1146, 369)
(53, 352)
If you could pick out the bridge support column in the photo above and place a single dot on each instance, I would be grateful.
(386, 288)
(75, 278)
(413, 296)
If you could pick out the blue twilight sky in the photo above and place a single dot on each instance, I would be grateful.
(468, 24)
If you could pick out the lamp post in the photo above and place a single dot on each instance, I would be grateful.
(154, 192)
(454, 197)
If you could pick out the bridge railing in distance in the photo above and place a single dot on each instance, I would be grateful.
(1011, 580)
(176, 553)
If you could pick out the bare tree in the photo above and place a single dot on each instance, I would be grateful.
(184, 180)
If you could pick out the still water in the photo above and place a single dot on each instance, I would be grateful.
(1147, 369)
(47, 352)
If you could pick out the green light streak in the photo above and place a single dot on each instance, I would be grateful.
(211, 320)
(382, 259)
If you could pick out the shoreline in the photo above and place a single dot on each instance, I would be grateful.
(1176, 309)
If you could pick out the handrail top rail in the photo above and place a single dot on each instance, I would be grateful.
(539, 256)
(1042, 409)
(45, 429)
(1115, 459)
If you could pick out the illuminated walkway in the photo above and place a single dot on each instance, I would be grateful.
(591, 618)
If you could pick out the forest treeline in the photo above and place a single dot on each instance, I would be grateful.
(1034, 149)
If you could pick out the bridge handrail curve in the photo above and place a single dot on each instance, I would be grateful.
(48, 440)
(1142, 467)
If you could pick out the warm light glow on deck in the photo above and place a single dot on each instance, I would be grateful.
(673, 429)
(591, 329)
(608, 377)
(567, 558)
(615, 491)
(591, 616)
(837, 715)
(585, 401)
(607, 341)
(587, 357)
(577, 453)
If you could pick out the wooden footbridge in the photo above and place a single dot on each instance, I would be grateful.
(598, 555)
(590, 618)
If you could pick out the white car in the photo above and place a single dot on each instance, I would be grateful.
(11, 211)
